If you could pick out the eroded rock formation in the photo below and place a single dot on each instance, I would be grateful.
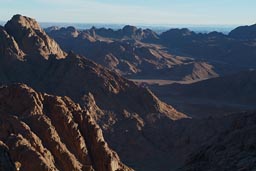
(45, 132)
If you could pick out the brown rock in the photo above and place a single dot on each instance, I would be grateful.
(8, 47)
(31, 38)
(46, 132)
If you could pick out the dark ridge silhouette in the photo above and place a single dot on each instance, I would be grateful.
(244, 32)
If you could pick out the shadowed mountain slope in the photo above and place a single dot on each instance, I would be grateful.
(237, 88)
(132, 57)
(214, 46)
(244, 32)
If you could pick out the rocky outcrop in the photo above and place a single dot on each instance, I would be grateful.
(31, 38)
(47, 132)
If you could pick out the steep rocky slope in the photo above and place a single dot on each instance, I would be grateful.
(31, 38)
(122, 109)
(45, 132)
(220, 143)
(231, 146)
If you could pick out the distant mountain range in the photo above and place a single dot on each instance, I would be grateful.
(177, 54)
(157, 28)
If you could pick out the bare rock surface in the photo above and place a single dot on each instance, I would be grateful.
(45, 132)
(31, 38)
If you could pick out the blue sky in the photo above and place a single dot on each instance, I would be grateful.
(206, 12)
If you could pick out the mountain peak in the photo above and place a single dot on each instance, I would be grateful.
(129, 29)
(31, 38)
(24, 21)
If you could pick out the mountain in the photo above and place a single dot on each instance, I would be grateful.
(132, 57)
(45, 132)
(215, 47)
(31, 38)
(244, 32)
(122, 109)
(127, 32)
(131, 51)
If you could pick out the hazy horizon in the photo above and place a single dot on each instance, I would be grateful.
(155, 27)
(134, 12)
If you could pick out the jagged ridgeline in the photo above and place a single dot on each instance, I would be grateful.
(45, 132)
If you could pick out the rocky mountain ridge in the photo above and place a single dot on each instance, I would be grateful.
(136, 53)
(52, 132)
(133, 57)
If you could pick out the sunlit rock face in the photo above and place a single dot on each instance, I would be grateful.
(45, 132)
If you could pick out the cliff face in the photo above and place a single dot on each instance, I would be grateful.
(52, 132)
